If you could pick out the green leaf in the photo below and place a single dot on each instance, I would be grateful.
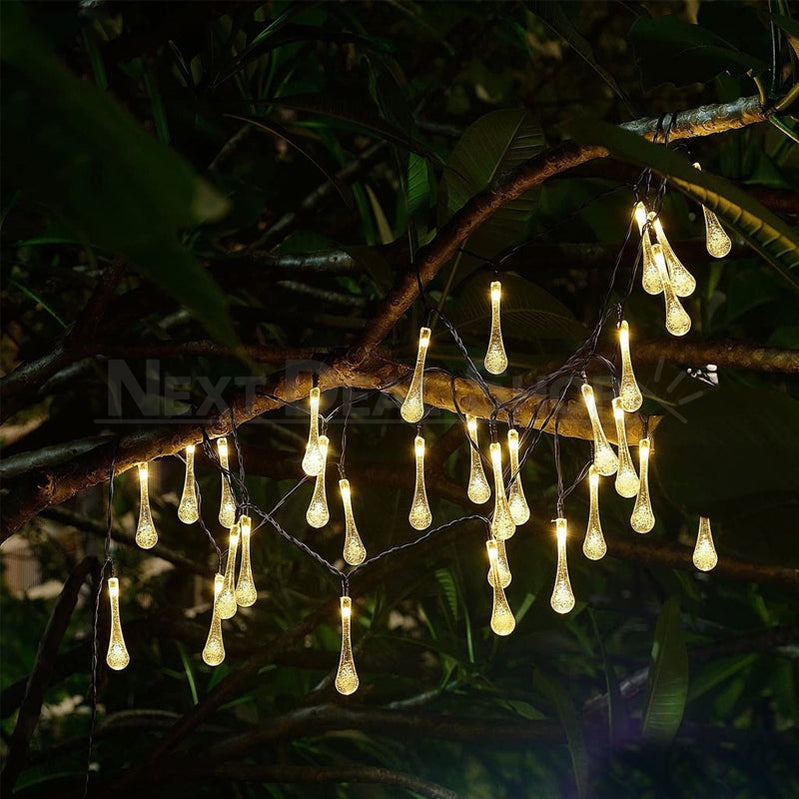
(668, 677)
(447, 583)
(669, 50)
(765, 232)
(571, 726)
(790, 27)
(80, 154)
(419, 184)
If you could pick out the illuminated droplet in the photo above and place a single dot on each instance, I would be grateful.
(246, 594)
(682, 280)
(478, 491)
(420, 516)
(594, 546)
(189, 509)
(605, 458)
(678, 323)
(650, 278)
(631, 397)
(226, 601)
(562, 600)
(318, 514)
(502, 525)
(117, 657)
(214, 649)
(412, 408)
(643, 519)
(354, 550)
(312, 462)
(716, 239)
(626, 479)
(502, 619)
(227, 503)
(146, 535)
(496, 361)
(347, 681)
(705, 557)
(517, 502)
(503, 567)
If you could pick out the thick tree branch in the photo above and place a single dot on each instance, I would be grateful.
(732, 354)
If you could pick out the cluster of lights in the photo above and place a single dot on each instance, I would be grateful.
(662, 272)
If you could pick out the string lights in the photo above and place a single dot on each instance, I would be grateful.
(643, 519)
(318, 513)
(189, 508)
(502, 567)
(496, 361)
(562, 600)
(347, 681)
(478, 489)
(227, 503)
(681, 280)
(678, 323)
(705, 557)
(420, 517)
(214, 649)
(412, 408)
(146, 535)
(517, 502)
(605, 459)
(502, 524)
(313, 462)
(650, 277)
(631, 397)
(594, 546)
(717, 241)
(226, 601)
(245, 588)
(503, 621)
(627, 482)
(354, 550)
(117, 657)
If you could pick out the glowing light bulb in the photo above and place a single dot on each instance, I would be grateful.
(214, 649)
(246, 593)
(650, 279)
(146, 535)
(631, 397)
(605, 458)
(503, 567)
(420, 516)
(716, 239)
(502, 619)
(117, 657)
(496, 361)
(318, 514)
(227, 504)
(562, 600)
(226, 601)
(678, 323)
(412, 408)
(682, 280)
(312, 462)
(517, 502)
(627, 481)
(347, 681)
(594, 546)
(705, 557)
(643, 519)
(502, 524)
(189, 509)
(478, 491)
(354, 550)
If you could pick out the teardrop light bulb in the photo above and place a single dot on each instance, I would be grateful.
(347, 681)
(517, 502)
(562, 600)
(189, 509)
(594, 546)
(318, 513)
(716, 239)
(627, 482)
(682, 280)
(214, 649)
(420, 516)
(496, 361)
(605, 458)
(678, 323)
(412, 408)
(227, 503)
(643, 519)
(478, 490)
(631, 397)
(354, 550)
(146, 535)
(312, 462)
(503, 567)
(226, 601)
(117, 657)
(705, 557)
(246, 593)
(502, 619)
(502, 524)
(650, 279)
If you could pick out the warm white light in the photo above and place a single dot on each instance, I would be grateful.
(681, 279)
(517, 502)
(412, 408)
(226, 601)
(631, 397)
(227, 503)
(650, 279)
(627, 482)
(604, 457)
(678, 323)
(562, 600)
(146, 535)
(496, 361)
(705, 557)
(716, 239)
(214, 649)
(354, 550)
(117, 657)
(503, 567)
(318, 513)
(643, 519)
(502, 619)
(502, 524)
(189, 508)
(312, 462)
(594, 546)
(420, 516)
(478, 489)
(246, 593)
(347, 681)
